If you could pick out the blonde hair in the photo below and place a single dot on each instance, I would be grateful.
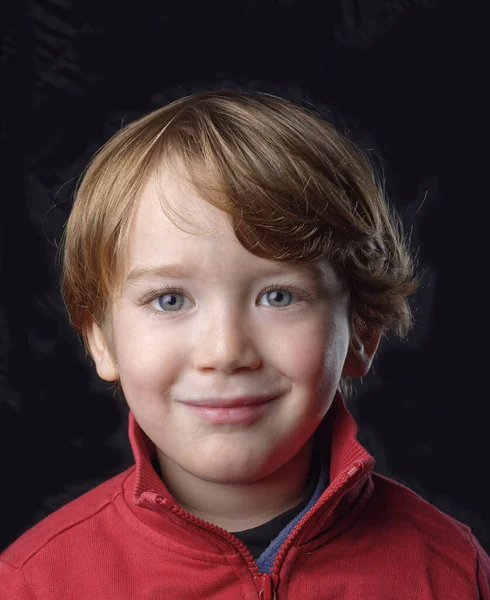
(296, 190)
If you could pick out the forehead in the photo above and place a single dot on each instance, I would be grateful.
(168, 203)
(173, 225)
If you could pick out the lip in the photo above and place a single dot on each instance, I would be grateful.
(231, 402)
(240, 413)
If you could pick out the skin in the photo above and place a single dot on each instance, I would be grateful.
(225, 337)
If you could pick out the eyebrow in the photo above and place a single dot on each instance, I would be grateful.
(187, 271)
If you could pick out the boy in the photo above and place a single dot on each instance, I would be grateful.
(249, 482)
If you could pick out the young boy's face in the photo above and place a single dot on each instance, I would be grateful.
(222, 337)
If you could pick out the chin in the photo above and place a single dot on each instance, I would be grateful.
(231, 473)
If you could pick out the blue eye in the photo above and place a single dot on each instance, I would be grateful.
(278, 293)
(167, 298)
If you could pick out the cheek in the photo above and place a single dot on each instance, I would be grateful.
(146, 361)
(314, 350)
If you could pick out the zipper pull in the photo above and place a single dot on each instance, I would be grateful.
(265, 587)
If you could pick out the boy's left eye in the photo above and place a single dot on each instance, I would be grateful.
(280, 294)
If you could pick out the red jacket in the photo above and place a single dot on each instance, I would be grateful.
(365, 537)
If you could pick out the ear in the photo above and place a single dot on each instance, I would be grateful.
(106, 368)
(357, 364)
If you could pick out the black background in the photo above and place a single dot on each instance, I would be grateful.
(398, 77)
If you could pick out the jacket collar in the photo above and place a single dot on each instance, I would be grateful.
(335, 441)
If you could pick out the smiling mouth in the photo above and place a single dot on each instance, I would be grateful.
(229, 415)
(232, 402)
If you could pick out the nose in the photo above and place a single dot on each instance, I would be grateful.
(226, 343)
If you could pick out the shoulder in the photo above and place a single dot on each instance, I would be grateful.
(414, 526)
(403, 505)
(65, 521)
(425, 546)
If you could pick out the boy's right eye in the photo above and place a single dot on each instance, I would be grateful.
(167, 298)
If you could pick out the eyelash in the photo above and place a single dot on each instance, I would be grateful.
(153, 294)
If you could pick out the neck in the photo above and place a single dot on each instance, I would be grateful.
(237, 507)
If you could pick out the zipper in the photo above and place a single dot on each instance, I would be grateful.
(266, 586)
(265, 583)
